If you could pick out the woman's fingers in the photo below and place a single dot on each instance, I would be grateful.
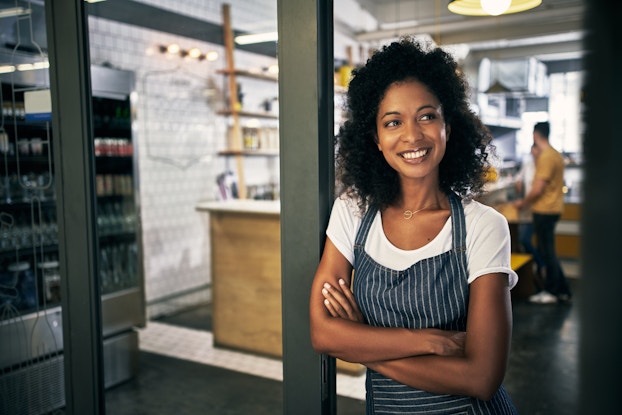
(340, 302)
(354, 312)
(330, 308)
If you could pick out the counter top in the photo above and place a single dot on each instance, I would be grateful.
(240, 206)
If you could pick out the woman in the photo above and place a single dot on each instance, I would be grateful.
(429, 313)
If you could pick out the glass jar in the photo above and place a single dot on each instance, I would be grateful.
(50, 277)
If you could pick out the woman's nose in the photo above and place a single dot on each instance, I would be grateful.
(412, 132)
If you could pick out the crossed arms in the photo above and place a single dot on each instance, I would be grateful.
(471, 363)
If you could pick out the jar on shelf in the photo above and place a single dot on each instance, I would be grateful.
(50, 277)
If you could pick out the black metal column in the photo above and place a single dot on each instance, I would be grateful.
(68, 48)
(601, 224)
(305, 52)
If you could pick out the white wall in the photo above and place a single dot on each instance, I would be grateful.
(178, 134)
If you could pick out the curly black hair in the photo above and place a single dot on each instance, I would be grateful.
(362, 169)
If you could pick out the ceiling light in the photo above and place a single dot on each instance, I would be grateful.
(24, 67)
(211, 56)
(495, 7)
(475, 8)
(273, 69)
(13, 11)
(195, 53)
(256, 38)
(33, 66)
(7, 68)
(173, 48)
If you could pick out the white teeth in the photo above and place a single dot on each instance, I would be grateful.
(414, 154)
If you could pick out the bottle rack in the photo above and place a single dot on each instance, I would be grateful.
(115, 189)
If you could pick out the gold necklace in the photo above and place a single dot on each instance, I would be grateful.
(409, 213)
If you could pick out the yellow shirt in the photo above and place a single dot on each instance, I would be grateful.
(550, 168)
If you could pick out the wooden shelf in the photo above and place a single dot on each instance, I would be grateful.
(235, 139)
(249, 74)
(249, 114)
(259, 152)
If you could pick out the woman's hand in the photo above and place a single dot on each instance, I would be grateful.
(341, 303)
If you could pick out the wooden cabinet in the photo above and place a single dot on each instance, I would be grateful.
(246, 277)
(247, 281)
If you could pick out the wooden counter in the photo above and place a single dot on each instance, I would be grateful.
(567, 231)
(246, 277)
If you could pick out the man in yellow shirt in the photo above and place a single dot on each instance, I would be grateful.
(546, 199)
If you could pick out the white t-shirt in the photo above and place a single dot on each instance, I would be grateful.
(487, 240)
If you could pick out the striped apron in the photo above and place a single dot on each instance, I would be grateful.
(433, 293)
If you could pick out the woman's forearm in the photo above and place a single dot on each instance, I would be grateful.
(360, 343)
(454, 375)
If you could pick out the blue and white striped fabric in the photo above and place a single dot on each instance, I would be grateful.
(431, 293)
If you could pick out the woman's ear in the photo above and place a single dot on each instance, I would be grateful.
(447, 131)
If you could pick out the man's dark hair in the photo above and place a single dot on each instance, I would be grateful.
(543, 129)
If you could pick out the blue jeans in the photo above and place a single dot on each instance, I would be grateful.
(525, 235)
(555, 281)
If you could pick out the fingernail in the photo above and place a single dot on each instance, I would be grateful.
(326, 302)
(341, 281)
(326, 285)
(324, 291)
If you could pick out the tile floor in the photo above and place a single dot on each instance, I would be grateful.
(177, 352)
(164, 339)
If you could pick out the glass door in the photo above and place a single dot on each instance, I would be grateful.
(31, 342)
(31, 320)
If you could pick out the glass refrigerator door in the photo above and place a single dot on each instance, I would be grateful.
(31, 341)
(118, 224)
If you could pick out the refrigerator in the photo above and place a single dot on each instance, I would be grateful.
(31, 340)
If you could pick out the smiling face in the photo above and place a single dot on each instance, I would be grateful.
(411, 130)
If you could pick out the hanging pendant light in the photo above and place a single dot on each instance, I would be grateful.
(496, 7)
(491, 7)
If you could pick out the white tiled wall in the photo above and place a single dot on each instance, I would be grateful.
(178, 134)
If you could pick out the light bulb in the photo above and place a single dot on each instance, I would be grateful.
(495, 7)
(211, 56)
(194, 53)
(173, 48)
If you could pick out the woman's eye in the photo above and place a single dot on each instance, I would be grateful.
(393, 123)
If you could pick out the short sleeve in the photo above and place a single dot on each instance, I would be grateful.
(489, 248)
(342, 226)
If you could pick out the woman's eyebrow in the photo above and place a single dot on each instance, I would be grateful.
(418, 109)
